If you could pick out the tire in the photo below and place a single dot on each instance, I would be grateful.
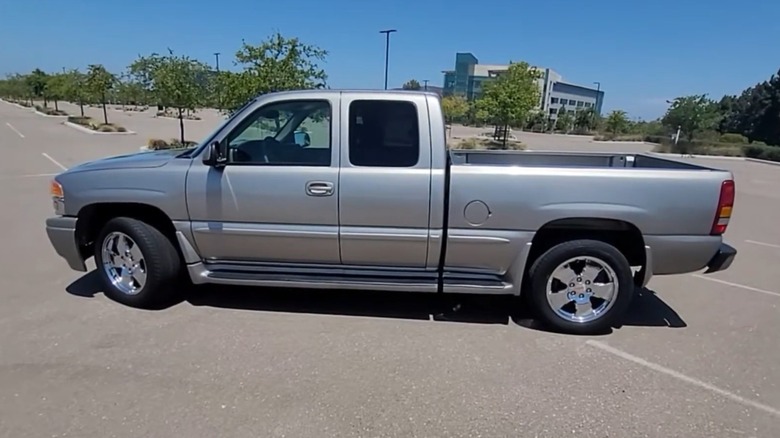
(607, 286)
(155, 273)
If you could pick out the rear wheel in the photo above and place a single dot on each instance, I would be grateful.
(138, 265)
(581, 286)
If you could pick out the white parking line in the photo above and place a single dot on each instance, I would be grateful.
(741, 286)
(14, 129)
(756, 242)
(680, 376)
(54, 161)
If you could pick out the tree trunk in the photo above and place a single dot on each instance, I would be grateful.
(181, 126)
(81, 106)
(105, 113)
(506, 134)
(56, 107)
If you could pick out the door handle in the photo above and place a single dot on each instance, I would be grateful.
(319, 188)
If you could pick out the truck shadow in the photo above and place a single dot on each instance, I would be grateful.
(647, 308)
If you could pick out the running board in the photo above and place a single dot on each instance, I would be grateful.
(341, 278)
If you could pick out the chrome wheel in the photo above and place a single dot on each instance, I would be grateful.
(582, 289)
(123, 263)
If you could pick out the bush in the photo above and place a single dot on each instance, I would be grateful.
(80, 120)
(762, 152)
(121, 129)
(733, 138)
(476, 143)
(106, 128)
(157, 144)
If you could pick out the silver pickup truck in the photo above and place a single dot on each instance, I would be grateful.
(358, 190)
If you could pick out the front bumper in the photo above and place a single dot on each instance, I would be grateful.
(62, 235)
(722, 259)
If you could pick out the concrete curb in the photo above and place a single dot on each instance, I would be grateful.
(47, 115)
(89, 131)
(718, 157)
(175, 118)
(28, 108)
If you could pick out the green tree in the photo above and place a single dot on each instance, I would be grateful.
(276, 64)
(412, 84)
(510, 97)
(56, 88)
(617, 121)
(177, 83)
(36, 84)
(565, 120)
(75, 88)
(453, 107)
(586, 120)
(99, 83)
(692, 114)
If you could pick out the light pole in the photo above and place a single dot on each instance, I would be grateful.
(596, 111)
(425, 81)
(387, 33)
(219, 94)
(216, 56)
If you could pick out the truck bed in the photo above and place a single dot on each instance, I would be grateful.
(566, 159)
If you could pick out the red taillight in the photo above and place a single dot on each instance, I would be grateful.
(725, 205)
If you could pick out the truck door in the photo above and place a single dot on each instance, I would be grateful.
(385, 178)
(276, 199)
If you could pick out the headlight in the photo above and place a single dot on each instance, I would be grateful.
(57, 197)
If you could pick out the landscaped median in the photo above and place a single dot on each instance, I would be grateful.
(756, 150)
(158, 144)
(49, 112)
(90, 126)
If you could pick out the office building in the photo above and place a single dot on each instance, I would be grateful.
(469, 77)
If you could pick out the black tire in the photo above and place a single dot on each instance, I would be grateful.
(544, 266)
(161, 261)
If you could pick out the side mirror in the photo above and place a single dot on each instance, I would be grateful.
(216, 154)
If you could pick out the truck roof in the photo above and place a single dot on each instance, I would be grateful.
(320, 92)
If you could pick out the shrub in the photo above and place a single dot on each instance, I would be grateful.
(762, 152)
(157, 144)
(106, 128)
(733, 138)
(80, 120)
(121, 129)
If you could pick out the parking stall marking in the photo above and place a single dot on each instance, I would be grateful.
(769, 245)
(57, 163)
(741, 286)
(14, 129)
(680, 376)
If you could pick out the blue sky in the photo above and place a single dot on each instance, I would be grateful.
(642, 52)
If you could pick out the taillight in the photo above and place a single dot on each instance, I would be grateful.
(725, 205)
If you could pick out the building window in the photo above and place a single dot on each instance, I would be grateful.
(553, 110)
(588, 104)
(572, 102)
(580, 103)
(554, 100)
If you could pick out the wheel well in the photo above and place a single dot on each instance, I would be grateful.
(92, 218)
(624, 236)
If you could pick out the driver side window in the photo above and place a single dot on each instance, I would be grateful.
(292, 133)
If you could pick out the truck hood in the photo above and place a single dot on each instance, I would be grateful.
(129, 161)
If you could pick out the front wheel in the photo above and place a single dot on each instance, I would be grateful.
(139, 266)
(581, 286)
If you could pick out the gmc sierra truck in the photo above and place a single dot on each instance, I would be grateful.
(359, 190)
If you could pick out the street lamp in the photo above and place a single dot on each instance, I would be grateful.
(425, 81)
(596, 110)
(387, 33)
(216, 55)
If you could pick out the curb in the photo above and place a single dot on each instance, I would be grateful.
(718, 157)
(47, 115)
(28, 108)
(176, 118)
(89, 131)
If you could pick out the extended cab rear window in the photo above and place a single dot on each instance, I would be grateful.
(383, 133)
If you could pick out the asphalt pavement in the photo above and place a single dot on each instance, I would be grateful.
(697, 356)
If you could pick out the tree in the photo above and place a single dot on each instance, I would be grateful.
(56, 88)
(586, 120)
(617, 121)
(510, 97)
(100, 82)
(453, 107)
(177, 83)
(75, 88)
(412, 84)
(276, 64)
(36, 84)
(692, 114)
(564, 121)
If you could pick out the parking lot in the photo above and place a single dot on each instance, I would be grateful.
(697, 357)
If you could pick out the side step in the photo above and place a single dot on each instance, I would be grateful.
(343, 278)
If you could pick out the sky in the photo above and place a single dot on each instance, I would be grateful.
(642, 52)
